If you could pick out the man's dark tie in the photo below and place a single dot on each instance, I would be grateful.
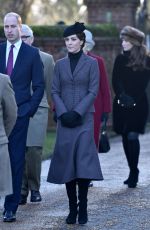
(10, 61)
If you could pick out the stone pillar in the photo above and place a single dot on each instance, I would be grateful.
(118, 12)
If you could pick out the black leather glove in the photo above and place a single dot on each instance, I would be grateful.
(104, 117)
(71, 119)
(126, 101)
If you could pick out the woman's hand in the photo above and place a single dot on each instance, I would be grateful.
(71, 119)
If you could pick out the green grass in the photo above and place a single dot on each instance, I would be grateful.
(49, 145)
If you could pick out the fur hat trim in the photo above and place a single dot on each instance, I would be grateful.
(133, 35)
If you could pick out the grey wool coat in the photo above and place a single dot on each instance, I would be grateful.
(38, 124)
(8, 115)
(75, 155)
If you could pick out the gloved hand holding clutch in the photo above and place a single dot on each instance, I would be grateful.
(126, 101)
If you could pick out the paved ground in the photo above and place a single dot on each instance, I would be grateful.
(112, 206)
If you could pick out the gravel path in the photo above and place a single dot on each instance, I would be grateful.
(112, 206)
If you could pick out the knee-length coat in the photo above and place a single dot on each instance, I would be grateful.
(8, 115)
(102, 102)
(75, 155)
(133, 83)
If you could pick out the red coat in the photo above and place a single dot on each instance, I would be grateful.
(103, 101)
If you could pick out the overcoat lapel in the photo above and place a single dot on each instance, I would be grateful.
(67, 67)
(80, 65)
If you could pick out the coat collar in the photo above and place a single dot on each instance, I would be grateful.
(81, 63)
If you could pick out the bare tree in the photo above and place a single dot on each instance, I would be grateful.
(21, 7)
(50, 12)
(43, 11)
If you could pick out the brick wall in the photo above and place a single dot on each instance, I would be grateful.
(108, 48)
(118, 12)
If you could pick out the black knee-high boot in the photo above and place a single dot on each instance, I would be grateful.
(82, 195)
(134, 150)
(72, 196)
(127, 154)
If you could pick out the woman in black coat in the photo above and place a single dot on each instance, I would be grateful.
(131, 74)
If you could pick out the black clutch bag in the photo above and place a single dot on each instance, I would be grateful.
(126, 101)
(104, 145)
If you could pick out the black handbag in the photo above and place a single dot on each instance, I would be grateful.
(104, 145)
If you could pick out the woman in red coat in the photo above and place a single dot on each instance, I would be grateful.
(103, 100)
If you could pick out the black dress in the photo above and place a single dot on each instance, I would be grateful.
(133, 83)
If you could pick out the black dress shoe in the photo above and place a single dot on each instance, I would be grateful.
(23, 199)
(9, 216)
(35, 196)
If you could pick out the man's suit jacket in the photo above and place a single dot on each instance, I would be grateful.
(8, 115)
(28, 68)
(38, 124)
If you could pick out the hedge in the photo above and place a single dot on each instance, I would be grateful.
(101, 30)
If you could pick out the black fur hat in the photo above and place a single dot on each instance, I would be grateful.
(133, 35)
(76, 28)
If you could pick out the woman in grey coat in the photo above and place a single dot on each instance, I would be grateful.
(74, 88)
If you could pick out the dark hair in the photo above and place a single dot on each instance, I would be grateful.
(81, 36)
(138, 58)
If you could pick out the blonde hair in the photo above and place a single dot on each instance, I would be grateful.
(18, 17)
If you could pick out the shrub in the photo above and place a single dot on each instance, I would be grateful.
(101, 30)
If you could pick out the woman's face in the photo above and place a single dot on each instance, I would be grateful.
(126, 45)
(73, 43)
